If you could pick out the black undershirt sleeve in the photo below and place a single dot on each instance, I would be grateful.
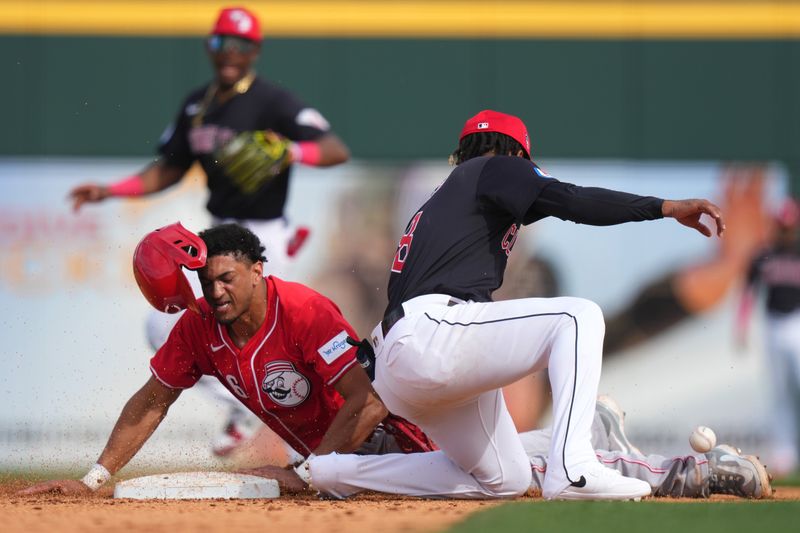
(592, 205)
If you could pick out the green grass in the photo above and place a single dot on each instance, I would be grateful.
(624, 517)
(789, 481)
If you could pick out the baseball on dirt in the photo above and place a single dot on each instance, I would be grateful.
(702, 439)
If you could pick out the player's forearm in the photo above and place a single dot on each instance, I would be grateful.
(354, 422)
(160, 176)
(332, 151)
(596, 206)
(154, 178)
(134, 426)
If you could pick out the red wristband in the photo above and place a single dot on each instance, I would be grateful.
(130, 186)
(307, 152)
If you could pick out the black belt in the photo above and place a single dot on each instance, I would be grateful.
(393, 316)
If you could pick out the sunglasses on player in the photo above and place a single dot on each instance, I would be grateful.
(230, 43)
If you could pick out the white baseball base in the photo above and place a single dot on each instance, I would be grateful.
(196, 486)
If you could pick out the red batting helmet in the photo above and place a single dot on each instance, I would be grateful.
(488, 120)
(157, 263)
(239, 22)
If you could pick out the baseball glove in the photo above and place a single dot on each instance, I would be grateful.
(253, 158)
(408, 437)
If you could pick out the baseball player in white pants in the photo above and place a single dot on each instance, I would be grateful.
(444, 349)
(723, 470)
(783, 350)
(777, 271)
(458, 402)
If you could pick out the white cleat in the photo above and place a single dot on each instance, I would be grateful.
(601, 483)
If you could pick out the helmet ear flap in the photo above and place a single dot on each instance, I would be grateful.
(157, 263)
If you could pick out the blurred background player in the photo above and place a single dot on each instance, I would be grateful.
(245, 132)
(777, 270)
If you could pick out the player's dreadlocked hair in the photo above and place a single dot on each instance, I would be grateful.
(233, 239)
(477, 144)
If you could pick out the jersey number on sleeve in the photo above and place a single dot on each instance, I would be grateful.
(405, 245)
(235, 386)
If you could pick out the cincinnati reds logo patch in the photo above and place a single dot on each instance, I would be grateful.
(284, 384)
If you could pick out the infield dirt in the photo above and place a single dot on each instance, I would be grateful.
(370, 513)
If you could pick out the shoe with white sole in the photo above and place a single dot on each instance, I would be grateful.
(736, 474)
(613, 418)
(601, 483)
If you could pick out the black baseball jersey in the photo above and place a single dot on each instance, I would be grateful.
(778, 270)
(458, 242)
(202, 128)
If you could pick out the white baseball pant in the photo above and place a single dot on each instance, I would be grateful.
(783, 356)
(344, 475)
(442, 367)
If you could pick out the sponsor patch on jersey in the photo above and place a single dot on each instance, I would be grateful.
(313, 119)
(542, 173)
(331, 350)
(284, 384)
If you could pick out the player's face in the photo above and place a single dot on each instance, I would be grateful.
(232, 57)
(229, 285)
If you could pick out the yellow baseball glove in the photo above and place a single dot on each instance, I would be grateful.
(253, 158)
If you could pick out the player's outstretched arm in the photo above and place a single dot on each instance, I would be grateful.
(156, 177)
(689, 212)
(139, 418)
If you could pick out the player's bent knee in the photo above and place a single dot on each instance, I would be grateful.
(587, 312)
(514, 482)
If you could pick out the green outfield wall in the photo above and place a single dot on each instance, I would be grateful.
(406, 98)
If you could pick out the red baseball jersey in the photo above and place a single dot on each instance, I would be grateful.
(284, 374)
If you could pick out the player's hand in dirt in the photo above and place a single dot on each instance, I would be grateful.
(67, 487)
(287, 478)
(87, 193)
(688, 213)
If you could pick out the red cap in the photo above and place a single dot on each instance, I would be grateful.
(237, 21)
(488, 120)
(157, 265)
